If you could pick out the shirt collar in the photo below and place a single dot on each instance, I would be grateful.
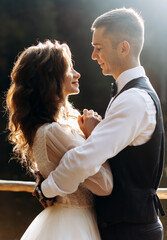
(129, 75)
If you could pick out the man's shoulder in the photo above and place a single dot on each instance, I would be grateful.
(133, 96)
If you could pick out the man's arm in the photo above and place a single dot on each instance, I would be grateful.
(126, 119)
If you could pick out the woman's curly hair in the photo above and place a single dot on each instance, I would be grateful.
(35, 94)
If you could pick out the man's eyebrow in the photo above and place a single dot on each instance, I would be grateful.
(94, 44)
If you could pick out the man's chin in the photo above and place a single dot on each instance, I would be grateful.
(105, 73)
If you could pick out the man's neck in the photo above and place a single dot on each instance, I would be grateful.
(126, 66)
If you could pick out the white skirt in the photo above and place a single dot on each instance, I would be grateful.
(61, 223)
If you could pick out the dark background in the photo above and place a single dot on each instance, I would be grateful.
(25, 22)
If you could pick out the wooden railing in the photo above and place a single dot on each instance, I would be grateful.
(23, 186)
(16, 186)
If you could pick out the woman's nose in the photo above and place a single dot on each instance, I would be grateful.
(77, 75)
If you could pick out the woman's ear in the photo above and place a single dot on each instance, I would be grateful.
(124, 48)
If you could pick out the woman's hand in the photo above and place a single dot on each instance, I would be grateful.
(46, 202)
(88, 121)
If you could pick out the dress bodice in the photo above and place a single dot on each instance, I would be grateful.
(55, 139)
(82, 198)
(51, 142)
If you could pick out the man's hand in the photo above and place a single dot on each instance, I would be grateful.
(46, 202)
(88, 121)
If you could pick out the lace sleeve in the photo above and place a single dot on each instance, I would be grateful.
(59, 140)
(102, 182)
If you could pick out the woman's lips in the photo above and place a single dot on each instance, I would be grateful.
(75, 83)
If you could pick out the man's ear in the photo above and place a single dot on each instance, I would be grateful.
(124, 48)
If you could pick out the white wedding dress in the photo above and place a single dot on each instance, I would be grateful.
(71, 217)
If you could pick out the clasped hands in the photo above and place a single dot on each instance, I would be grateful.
(87, 122)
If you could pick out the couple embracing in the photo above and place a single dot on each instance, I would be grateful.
(100, 175)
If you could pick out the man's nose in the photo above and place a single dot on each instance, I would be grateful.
(94, 55)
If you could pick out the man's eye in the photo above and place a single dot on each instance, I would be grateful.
(98, 49)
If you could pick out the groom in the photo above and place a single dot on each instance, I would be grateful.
(131, 136)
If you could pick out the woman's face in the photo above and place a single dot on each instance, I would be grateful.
(71, 83)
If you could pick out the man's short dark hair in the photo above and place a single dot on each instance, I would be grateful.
(123, 23)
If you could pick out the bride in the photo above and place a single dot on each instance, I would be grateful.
(43, 126)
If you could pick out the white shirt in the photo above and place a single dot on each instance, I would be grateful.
(130, 120)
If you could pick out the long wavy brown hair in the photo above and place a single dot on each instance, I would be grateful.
(36, 94)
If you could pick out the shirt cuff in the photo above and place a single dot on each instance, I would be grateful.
(50, 189)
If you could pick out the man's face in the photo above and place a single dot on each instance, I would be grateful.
(105, 54)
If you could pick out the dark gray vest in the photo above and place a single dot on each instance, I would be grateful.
(136, 172)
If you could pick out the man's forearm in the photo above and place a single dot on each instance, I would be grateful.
(53, 185)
